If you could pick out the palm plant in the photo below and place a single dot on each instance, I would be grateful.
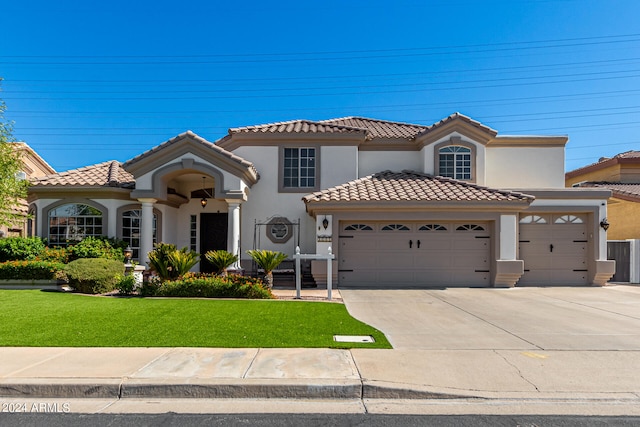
(170, 263)
(268, 261)
(220, 260)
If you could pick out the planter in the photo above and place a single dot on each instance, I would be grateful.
(31, 284)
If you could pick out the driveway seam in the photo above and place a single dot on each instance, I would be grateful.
(487, 322)
(590, 306)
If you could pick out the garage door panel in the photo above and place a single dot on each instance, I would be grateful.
(554, 253)
(418, 257)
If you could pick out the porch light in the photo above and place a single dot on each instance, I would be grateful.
(203, 201)
(128, 254)
(325, 222)
(604, 224)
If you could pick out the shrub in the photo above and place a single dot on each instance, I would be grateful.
(60, 255)
(95, 247)
(20, 248)
(30, 270)
(203, 286)
(94, 276)
(220, 260)
(268, 261)
(170, 263)
(126, 284)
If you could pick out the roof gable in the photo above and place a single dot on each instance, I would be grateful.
(189, 142)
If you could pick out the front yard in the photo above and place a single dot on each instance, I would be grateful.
(53, 319)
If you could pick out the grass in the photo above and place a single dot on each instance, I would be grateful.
(52, 319)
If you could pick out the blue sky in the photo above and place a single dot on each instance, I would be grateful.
(86, 82)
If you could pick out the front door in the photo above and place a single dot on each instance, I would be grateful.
(213, 236)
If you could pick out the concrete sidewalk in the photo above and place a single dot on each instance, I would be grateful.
(122, 373)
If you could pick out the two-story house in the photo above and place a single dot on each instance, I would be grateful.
(450, 204)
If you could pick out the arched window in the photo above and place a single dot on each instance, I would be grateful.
(454, 162)
(73, 222)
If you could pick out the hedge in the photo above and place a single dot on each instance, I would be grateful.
(232, 286)
(20, 248)
(94, 275)
(30, 270)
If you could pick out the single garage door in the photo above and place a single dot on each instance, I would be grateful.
(554, 249)
(400, 254)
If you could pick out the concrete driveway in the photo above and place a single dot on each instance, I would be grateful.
(554, 318)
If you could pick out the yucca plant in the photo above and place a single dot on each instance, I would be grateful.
(220, 260)
(268, 261)
(170, 263)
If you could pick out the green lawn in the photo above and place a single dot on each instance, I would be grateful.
(53, 319)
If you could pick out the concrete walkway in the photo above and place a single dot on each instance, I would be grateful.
(545, 350)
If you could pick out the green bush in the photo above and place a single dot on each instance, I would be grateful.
(20, 248)
(220, 260)
(126, 284)
(170, 263)
(203, 286)
(94, 276)
(30, 270)
(96, 247)
(60, 255)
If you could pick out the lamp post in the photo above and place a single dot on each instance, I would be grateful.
(128, 254)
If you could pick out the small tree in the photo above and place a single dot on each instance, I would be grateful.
(13, 189)
(268, 261)
(220, 260)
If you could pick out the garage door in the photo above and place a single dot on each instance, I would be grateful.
(400, 254)
(554, 250)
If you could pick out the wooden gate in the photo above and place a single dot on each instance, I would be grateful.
(620, 251)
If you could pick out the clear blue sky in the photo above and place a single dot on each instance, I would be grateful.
(86, 82)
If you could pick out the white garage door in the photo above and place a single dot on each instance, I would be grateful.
(399, 254)
(554, 249)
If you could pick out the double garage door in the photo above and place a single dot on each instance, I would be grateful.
(414, 254)
(554, 249)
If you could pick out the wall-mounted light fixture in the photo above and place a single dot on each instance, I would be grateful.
(203, 201)
(604, 224)
(325, 222)
(128, 254)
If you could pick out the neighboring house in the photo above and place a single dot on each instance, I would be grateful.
(33, 166)
(621, 175)
(451, 204)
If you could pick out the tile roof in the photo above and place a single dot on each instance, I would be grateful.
(297, 126)
(107, 174)
(606, 161)
(618, 189)
(412, 186)
(371, 128)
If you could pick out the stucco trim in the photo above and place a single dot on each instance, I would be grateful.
(529, 141)
(568, 193)
(324, 207)
(281, 187)
(455, 126)
(237, 140)
(452, 142)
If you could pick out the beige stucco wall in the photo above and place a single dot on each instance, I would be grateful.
(624, 219)
(338, 165)
(525, 167)
(370, 162)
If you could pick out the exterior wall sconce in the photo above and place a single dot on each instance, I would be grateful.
(325, 222)
(203, 201)
(604, 224)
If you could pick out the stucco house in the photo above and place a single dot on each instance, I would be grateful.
(450, 204)
(621, 175)
(33, 166)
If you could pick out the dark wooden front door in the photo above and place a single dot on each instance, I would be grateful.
(213, 236)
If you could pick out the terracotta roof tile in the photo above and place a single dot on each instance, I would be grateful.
(380, 128)
(412, 186)
(107, 174)
(618, 189)
(604, 162)
(297, 126)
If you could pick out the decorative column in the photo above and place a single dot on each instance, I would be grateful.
(508, 268)
(146, 230)
(233, 231)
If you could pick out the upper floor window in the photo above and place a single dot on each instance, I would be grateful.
(73, 222)
(299, 168)
(455, 162)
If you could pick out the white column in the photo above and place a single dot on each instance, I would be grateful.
(233, 231)
(508, 237)
(146, 230)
